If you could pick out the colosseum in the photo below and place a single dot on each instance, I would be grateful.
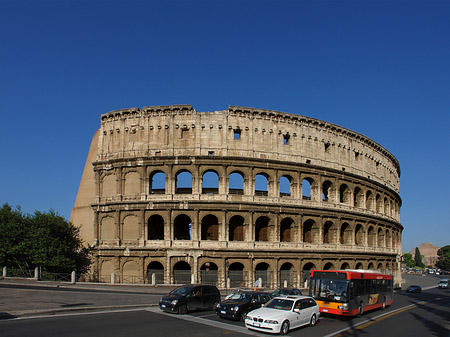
(170, 195)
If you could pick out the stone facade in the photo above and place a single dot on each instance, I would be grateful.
(171, 195)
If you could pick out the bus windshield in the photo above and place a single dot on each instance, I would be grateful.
(330, 290)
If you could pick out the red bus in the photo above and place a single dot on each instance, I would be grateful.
(350, 292)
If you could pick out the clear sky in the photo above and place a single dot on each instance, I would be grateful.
(380, 68)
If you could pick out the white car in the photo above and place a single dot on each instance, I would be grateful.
(282, 314)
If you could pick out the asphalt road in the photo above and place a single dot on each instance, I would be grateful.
(425, 314)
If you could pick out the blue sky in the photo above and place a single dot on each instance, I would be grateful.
(380, 68)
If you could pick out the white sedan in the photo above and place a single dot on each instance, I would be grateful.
(282, 314)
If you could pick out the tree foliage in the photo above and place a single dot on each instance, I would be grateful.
(410, 263)
(418, 258)
(443, 261)
(46, 240)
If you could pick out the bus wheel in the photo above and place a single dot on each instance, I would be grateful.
(360, 309)
(383, 306)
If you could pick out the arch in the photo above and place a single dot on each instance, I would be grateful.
(157, 182)
(386, 206)
(359, 235)
(285, 186)
(306, 188)
(380, 267)
(132, 185)
(327, 232)
(236, 183)
(236, 228)
(210, 227)
(287, 275)
(262, 272)
(181, 273)
(328, 266)
(183, 182)
(359, 265)
(369, 201)
(371, 237)
(344, 194)
(155, 227)
(106, 269)
(236, 275)
(130, 228)
(286, 230)
(210, 182)
(345, 265)
(388, 238)
(109, 188)
(262, 229)
(209, 273)
(306, 273)
(182, 227)
(130, 272)
(379, 204)
(345, 237)
(371, 266)
(380, 238)
(157, 269)
(308, 230)
(108, 228)
(261, 184)
(358, 197)
(326, 191)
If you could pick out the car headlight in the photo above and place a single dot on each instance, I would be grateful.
(236, 308)
(218, 305)
(270, 321)
(174, 302)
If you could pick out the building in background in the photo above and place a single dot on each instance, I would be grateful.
(170, 195)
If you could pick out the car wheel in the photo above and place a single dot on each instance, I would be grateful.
(284, 328)
(360, 309)
(313, 320)
(214, 306)
(182, 310)
(243, 315)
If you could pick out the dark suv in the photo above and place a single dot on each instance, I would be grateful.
(190, 297)
(238, 305)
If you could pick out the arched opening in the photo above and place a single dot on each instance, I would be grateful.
(155, 227)
(371, 237)
(181, 273)
(379, 204)
(307, 231)
(287, 275)
(182, 227)
(344, 194)
(327, 235)
(388, 239)
(306, 273)
(210, 227)
(369, 201)
(210, 182)
(345, 266)
(286, 230)
(326, 191)
(183, 182)
(358, 197)
(157, 182)
(380, 267)
(285, 186)
(306, 188)
(345, 237)
(155, 273)
(209, 273)
(386, 206)
(262, 229)
(261, 185)
(359, 235)
(380, 238)
(236, 228)
(236, 183)
(236, 275)
(359, 265)
(371, 266)
(328, 266)
(263, 274)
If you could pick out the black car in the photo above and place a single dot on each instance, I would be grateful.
(414, 289)
(238, 305)
(190, 297)
(286, 292)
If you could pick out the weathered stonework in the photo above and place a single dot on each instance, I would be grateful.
(329, 197)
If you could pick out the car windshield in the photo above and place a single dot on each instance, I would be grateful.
(280, 304)
(241, 297)
(329, 289)
(181, 291)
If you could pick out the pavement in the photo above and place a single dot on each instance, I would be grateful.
(28, 297)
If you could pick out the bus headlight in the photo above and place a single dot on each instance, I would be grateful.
(344, 306)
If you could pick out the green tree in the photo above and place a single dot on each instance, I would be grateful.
(410, 263)
(43, 239)
(418, 258)
(443, 261)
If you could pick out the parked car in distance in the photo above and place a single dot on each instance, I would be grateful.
(414, 289)
(281, 314)
(443, 283)
(190, 297)
(239, 304)
(286, 292)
